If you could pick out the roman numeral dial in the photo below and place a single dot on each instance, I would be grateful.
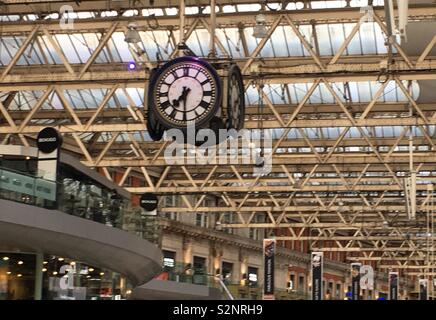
(186, 90)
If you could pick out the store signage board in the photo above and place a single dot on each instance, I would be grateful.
(48, 140)
(148, 202)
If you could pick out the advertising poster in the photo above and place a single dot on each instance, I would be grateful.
(366, 277)
(317, 261)
(269, 248)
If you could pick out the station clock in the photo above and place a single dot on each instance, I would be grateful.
(183, 91)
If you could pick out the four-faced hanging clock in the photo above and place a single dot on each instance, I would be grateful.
(188, 90)
(185, 90)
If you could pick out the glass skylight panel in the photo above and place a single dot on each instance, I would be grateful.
(249, 7)
(267, 50)
(324, 39)
(306, 32)
(171, 11)
(192, 10)
(275, 46)
(367, 36)
(81, 51)
(9, 17)
(154, 11)
(85, 15)
(196, 42)
(9, 49)
(86, 43)
(358, 3)
(130, 13)
(295, 5)
(354, 46)
(228, 8)
(121, 46)
(112, 13)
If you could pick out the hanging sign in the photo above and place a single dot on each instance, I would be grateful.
(355, 280)
(148, 201)
(367, 277)
(48, 140)
(423, 289)
(317, 270)
(269, 248)
(393, 285)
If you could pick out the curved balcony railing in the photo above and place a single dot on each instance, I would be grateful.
(83, 199)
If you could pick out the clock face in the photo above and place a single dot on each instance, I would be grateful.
(154, 127)
(236, 99)
(186, 90)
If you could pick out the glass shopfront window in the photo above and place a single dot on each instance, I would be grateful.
(17, 276)
(87, 199)
(253, 276)
(62, 279)
(73, 193)
(227, 272)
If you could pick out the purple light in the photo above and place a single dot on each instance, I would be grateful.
(132, 66)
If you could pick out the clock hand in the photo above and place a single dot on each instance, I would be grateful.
(185, 94)
(182, 97)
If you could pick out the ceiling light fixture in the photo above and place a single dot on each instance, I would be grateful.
(132, 35)
(260, 30)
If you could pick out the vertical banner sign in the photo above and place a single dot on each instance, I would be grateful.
(49, 142)
(355, 280)
(423, 287)
(393, 285)
(317, 265)
(367, 277)
(269, 248)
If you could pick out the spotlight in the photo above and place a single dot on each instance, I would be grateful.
(260, 30)
(131, 66)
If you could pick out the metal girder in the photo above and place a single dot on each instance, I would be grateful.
(303, 15)
(110, 73)
(339, 193)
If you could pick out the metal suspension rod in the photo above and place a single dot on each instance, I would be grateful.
(212, 52)
(182, 22)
